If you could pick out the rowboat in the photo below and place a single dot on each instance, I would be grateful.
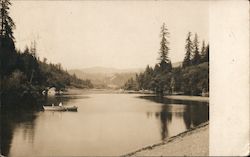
(59, 108)
(54, 108)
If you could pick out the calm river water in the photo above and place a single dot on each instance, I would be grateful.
(105, 124)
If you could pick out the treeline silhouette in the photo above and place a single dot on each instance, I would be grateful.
(190, 78)
(23, 75)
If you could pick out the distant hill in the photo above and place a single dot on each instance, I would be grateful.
(105, 70)
(103, 77)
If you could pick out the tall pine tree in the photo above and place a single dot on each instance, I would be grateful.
(203, 51)
(7, 46)
(165, 63)
(7, 24)
(189, 49)
(196, 59)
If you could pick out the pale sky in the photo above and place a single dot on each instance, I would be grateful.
(80, 34)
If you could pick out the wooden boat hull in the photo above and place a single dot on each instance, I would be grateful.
(60, 108)
(55, 108)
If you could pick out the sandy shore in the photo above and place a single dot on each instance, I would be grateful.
(192, 98)
(194, 142)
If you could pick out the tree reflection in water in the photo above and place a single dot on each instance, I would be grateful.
(22, 118)
(192, 113)
(10, 121)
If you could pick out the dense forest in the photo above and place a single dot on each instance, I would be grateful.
(191, 78)
(23, 74)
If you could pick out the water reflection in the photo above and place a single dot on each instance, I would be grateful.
(24, 121)
(166, 117)
(186, 114)
(103, 121)
(13, 120)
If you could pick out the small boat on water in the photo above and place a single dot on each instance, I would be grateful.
(59, 108)
(53, 108)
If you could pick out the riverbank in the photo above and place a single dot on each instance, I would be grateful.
(176, 97)
(194, 142)
(186, 97)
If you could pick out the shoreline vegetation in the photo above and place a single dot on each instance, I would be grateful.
(193, 142)
(191, 77)
(24, 76)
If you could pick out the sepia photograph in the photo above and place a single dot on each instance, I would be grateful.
(104, 78)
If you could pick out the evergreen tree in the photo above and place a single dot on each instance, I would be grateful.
(196, 59)
(206, 57)
(189, 49)
(156, 69)
(139, 80)
(7, 46)
(148, 76)
(203, 51)
(7, 24)
(165, 62)
(33, 49)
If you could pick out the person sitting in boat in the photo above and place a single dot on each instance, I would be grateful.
(60, 104)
